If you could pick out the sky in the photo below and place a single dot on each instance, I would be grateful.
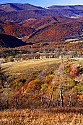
(45, 3)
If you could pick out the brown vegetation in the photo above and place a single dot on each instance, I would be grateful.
(40, 117)
(35, 86)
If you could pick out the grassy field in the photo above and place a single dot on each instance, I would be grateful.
(29, 67)
(22, 65)
(39, 117)
(33, 65)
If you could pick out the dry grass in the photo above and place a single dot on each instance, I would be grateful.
(39, 117)
(32, 68)
(25, 68)
(21, 65)
(29, 63)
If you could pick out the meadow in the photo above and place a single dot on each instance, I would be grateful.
(29, 67)
(33, 65)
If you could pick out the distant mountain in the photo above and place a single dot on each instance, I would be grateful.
(75, 7)
(21, 12)
(10, 41)
(30, 26)
(48, 20)
(35, 24)
(9, 7)
(47, 29)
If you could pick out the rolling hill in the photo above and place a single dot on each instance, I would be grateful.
(45, 30)
(30, 26)
(9, 7)
(35, 24)
(57, 32)
(21, 12)
(48, 20)
(15, 29)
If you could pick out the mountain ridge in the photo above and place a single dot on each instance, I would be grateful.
(21, 12)
(36, 24)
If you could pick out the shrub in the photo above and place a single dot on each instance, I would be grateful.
(33, 85)
(49, 78)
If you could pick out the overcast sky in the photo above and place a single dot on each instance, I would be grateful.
(45, 3)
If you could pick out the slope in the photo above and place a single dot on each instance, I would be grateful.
(21, 12)
(10, 41)
(57, 32)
